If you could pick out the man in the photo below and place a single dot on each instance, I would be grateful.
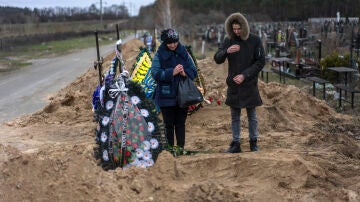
(245, 55)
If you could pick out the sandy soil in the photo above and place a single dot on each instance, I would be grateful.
(308, 152)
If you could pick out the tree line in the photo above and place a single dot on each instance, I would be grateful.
(276, 10)
(194, 11)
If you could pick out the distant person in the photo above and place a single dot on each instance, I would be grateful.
(246, 58)
(148, 41)
(170, 63)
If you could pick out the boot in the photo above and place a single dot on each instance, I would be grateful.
(234, 148)
(253, 145)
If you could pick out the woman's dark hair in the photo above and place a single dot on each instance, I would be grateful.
(235, 22)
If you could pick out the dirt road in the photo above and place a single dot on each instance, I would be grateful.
(27, 90)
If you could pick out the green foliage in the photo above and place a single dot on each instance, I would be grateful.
(333, 60)
(21, 54)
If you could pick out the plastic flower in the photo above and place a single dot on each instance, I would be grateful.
(147, 155)
(139, 153)
(103, 137)
(105, 155)
(109, 104)
(135, 100)
(149, 162)
(154, 143)
(146, 145)
(151, 127)
(135, 162)
(144, 112)
(127, 153)
(105, 120)
(135, 145)
(141, 164)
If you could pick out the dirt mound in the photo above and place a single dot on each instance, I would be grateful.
(308, 152)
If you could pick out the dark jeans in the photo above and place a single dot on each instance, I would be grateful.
(174, 118)
(236, 127)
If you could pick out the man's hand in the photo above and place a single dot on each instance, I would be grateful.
(238, 79)
(233, 49)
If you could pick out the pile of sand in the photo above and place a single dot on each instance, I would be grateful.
(308, 152)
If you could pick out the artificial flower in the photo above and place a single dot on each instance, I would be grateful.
(105, 120)
(127, 153)
(146, 145)
(139, 153)
(144, 112)
(109, 104)
(105, 155)
(149, 162)
(147, 155)
(151, 127)
(104, 137)
(135, 162)
(135, 100)
(154, 143)
(141, 164)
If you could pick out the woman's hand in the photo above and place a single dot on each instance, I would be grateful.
(179, 69)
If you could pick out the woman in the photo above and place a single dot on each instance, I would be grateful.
(245, 55)
(170, 63)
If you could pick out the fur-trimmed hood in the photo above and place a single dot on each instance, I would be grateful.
(244, 26)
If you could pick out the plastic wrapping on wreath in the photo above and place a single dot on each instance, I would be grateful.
(134, 148)
(129, 131)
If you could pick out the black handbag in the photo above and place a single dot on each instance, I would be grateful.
(188, 94)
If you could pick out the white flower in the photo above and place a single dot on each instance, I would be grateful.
(151, 127)
(144, 112)
(142, 164)
(149, 162)
(105, 155)
(135, 100)
(135, 162)
(103, 137)
(146, 145)
(147, 155)
(109, 104)
(105, 120)
(139, 153)
(154, 143)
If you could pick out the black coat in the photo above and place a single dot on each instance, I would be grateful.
(249, 61)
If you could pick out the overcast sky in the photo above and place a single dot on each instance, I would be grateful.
(133, 5)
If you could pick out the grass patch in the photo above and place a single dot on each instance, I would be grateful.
(19, 56)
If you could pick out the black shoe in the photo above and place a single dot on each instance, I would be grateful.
(253, 145)
(234, 148)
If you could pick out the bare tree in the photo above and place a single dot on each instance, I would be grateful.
(165, 13)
